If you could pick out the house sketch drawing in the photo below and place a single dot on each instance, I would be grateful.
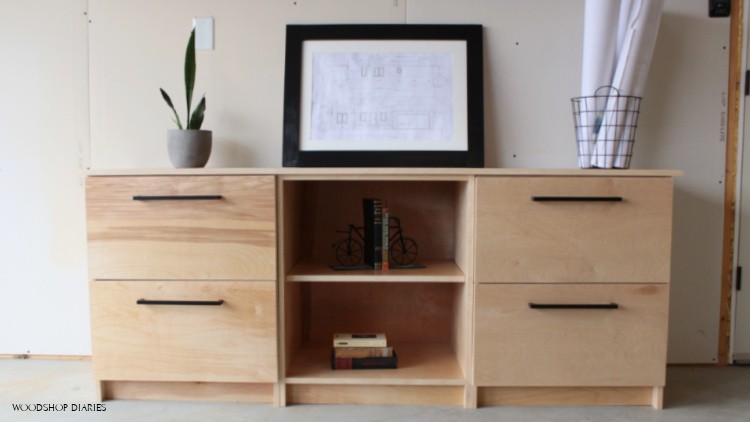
(382, 96)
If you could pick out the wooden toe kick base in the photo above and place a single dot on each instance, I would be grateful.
(375, 394)
(384, 394)
(570, 396)
(200, 391)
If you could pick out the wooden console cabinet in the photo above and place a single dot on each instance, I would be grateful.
(538, 286)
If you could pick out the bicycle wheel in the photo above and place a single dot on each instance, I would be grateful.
(349, 252)
(403, 251)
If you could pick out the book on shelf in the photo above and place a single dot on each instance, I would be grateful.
(386, 234)
(390, 362)
(359, 340)
(363, 352)
(372, 209)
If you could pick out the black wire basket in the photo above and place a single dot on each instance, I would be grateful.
(605, 126)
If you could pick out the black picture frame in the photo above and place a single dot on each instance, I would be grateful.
(470, 153)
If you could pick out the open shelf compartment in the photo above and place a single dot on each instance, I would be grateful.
(436, 213)
(418, 364)
(424, 312)
(432, 347)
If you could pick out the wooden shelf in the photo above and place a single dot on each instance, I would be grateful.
(418, 364)
(435, 271)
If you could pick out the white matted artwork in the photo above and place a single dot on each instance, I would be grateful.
(393, 95)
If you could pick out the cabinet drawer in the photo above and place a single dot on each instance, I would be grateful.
(517, 345)
(574, 229)
(200, 340)
(182, 227)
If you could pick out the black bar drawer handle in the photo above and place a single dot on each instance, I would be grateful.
(574, 306)
(176, 197)
(181, 302)
(577, 198)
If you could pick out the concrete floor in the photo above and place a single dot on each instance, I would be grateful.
(692, 394)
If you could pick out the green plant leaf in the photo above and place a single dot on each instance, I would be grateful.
(190, 73)
(196, 120)
(169, 103)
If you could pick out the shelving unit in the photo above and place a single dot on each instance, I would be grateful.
(319, 301)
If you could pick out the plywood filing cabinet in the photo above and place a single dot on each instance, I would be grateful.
(538, 286)
(573, 294)
(183, 291)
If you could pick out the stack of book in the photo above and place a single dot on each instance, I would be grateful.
(362, 351)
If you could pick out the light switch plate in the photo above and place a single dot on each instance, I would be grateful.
(204, 33)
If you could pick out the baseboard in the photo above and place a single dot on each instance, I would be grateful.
(571, 396)
(693, 365)
(22, 356)
(741, 359)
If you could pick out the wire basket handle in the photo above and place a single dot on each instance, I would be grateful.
(610, 88)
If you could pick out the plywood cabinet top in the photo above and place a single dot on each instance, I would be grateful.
(307, 172)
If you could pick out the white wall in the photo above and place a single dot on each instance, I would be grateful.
(683, 126)
(532, 56)
(242, 78)
(43, 149)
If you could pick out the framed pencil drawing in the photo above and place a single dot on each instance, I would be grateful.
(383, 95)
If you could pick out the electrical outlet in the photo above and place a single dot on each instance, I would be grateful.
(719, 8)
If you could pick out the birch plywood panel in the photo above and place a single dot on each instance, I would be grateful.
(232, 342)
(406, 312)
(520, 239)
(233, 237)
(520, 346)
(427, 210)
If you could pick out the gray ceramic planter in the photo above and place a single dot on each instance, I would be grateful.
(189, 147)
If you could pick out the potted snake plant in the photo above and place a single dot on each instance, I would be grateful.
(188, 145)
